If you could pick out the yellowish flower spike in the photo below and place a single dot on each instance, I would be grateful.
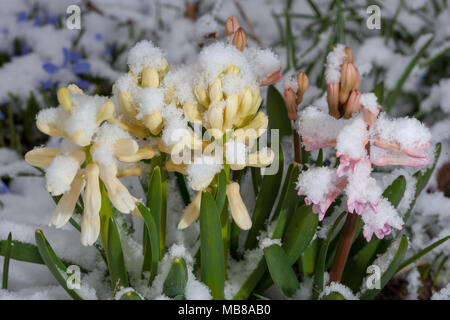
(191, 212)
(66, 205)
(74, 88)
(154, 122)
(63, 95)
(41, 157)
(92, 199)
(117, 192)
(150, 78)
(125, 147)
(141, 154)
(237, 207)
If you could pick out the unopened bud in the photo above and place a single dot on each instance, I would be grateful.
(231, 26)
(352, 104)
(302, 82)
(291, 105)
(333, 99)
(240, 39)
(349, 55)
(349, 81)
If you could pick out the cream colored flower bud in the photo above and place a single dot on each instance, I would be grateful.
(262, 158)
(237, 207)
(154, 122)
(192, 112)
(41, 157)
(215, 90)
(150, 77)
(73, 88)
(92, 198)
(259, 123)
(126, 105)
(232, 69)
(90, 229)
(117, 192)
(137, 131)
(125, 147)
(215, 116)
(50, 129)
(164, 67)
(240, 39)
(106, 113)
(201, 96)
(191, 212)
(66, 205)
(246, 102)
(173, 167)
(63, 96)
(302, 82)
(352, 105)
(133, 171)
(231, 109)
(333, 99)
(81, 138)
(231, 26)
(141, 154)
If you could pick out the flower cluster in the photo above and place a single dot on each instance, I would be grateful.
(198, 118)
(363, 136)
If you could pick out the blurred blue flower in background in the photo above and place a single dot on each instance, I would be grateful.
(71, 60)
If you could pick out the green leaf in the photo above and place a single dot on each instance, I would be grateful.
(401, 81)
(390, 271)
(130, 295)
(423, 252)
(221, 190)
(54, 264)
(309, 257)
(211, 254)
(6, 262)
(265, 201)
(176, 280)
(116, 261)
(379, 92)
(288, 200)
(300, 232)
(155, 203)
(151, 251)
(321, 260)
(182, 185)
(21, 251)
(252, 281)
(280, 270)
(277, 112)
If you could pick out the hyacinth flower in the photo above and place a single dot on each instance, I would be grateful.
(91, 151)
(362, 138)
(222, 98)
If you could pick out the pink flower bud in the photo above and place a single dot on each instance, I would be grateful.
(333, 99)
(291, 105)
